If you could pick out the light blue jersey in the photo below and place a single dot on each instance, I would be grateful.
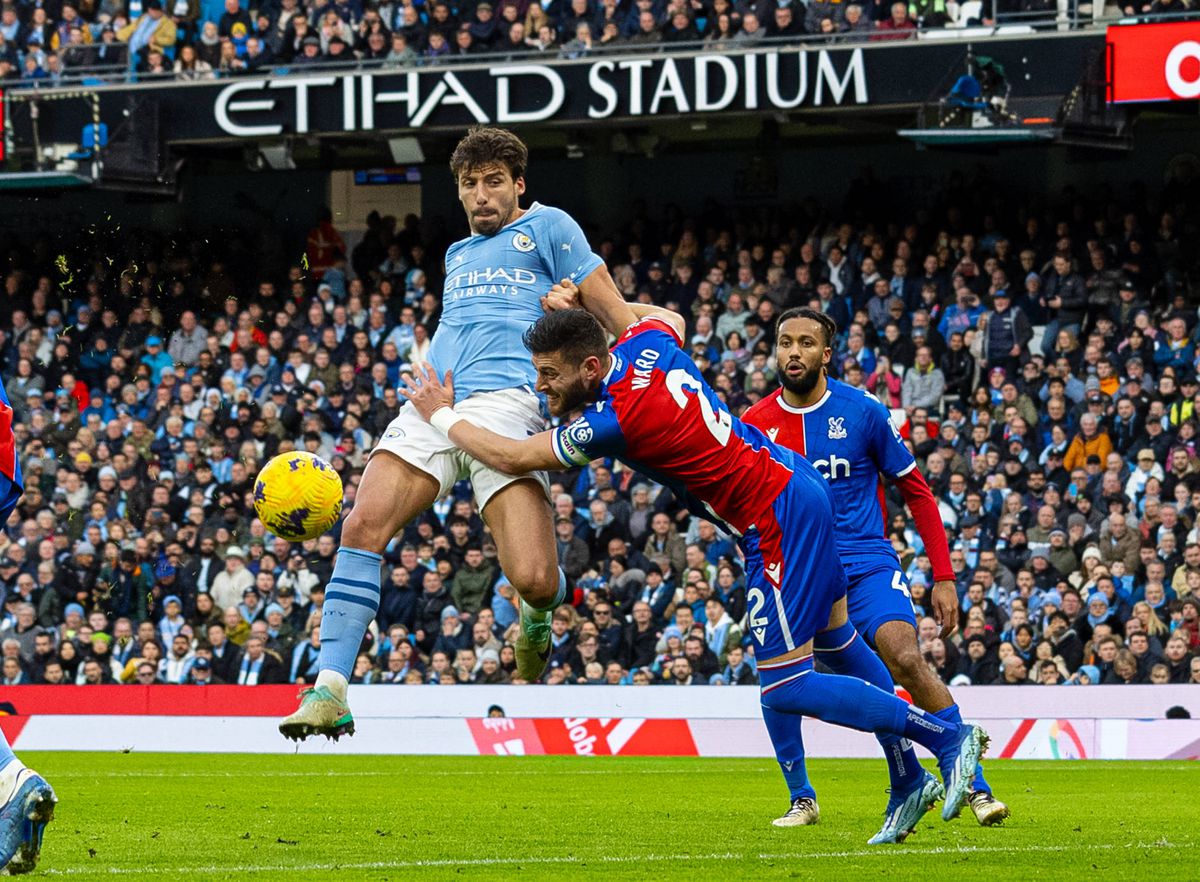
(493, 291)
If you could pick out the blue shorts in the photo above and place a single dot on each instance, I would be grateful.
(793, 573)
(877, 593)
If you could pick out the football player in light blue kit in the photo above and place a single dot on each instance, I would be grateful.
(495, 282)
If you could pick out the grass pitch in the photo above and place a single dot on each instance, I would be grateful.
(190, 817)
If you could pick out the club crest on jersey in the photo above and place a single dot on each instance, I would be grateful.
(523, 243)
(836, 430)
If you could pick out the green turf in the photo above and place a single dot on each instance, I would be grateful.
(189, 817)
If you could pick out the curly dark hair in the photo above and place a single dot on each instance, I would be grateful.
(573, 332)
(828, 325)
(487, 145)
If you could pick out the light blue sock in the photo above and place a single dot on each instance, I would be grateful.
(351, 601)
(784, 730)
(954, 715)
(843, 651)
(6, 754)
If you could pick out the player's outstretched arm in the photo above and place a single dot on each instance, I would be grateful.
(434, 400)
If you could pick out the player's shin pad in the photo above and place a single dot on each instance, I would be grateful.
(351, 601)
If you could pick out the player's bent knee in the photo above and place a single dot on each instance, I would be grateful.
(537, 585)
(358, 531)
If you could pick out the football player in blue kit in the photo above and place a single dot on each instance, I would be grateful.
(848, 435)
(495, 281)
(645, 402)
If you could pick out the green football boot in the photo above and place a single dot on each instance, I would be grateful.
(320, 713)
(533, 646)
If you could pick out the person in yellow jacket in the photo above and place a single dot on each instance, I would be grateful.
(1092, 439)
(150, 29)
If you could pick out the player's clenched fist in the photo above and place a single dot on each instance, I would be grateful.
(564, 295)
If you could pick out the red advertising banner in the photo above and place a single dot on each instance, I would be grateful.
(504, 736)
(612, 737)
(1154, 62)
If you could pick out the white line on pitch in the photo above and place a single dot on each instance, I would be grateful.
(332, 773)
(601, 859)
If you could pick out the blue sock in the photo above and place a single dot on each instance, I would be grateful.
(796, 688)
(844, 652)
(351, 601)
(6, 754)
(954, 715)
(784, 730)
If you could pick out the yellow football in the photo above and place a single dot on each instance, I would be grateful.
(298, 496)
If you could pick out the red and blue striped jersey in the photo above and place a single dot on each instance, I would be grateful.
(850, 438)
(11, 483)
(656, 413)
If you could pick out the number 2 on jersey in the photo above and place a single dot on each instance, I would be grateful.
(758, 624)
(717, 421)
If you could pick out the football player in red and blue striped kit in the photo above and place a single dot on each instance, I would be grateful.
(848, 435)
(646, 403)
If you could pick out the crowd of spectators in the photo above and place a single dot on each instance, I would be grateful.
(1042, 367)
(201, 39)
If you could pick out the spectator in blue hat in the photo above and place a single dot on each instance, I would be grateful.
(172, 623)
(200, 673)
(155, 358)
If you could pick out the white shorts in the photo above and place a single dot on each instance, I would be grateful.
(514, 413)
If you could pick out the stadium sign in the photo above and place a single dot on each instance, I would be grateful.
(1154, 62)
(604, 90)
(523, 93)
